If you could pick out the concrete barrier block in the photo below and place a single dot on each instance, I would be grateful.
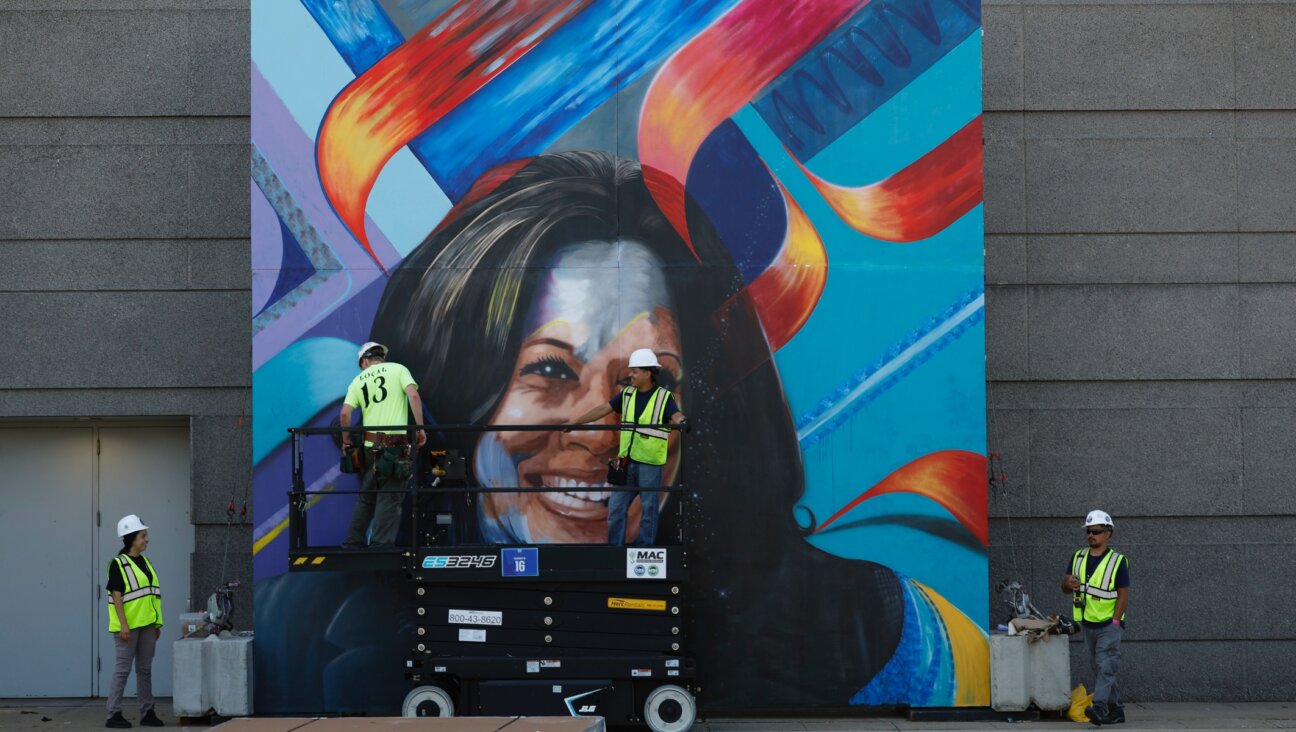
(1024, 673)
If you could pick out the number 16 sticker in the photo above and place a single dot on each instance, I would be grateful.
(523, 562)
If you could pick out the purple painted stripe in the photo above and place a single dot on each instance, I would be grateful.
(291, 155)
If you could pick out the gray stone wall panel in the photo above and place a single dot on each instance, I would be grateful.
(1265, 56)
(1006, 321)
(56, 403)
(1132, 258)
(167, 61)
(32, 266)
(1175, 671)
(1062, 395)
(149, 264)
(1129, 56)
(1145, 332)
(221, 468)
(1175, 462)
(1266, 169)
(1009, 437)
(1269, 461)
(124, 191)
(1164, 602)
(1269, 571)
(1131, 185)
(1005, 165)
(1005, 259)
(1002, 57)
(220, 199)
(1267, 257)
(221, 264)
(140, 340)
(1269, 671)
(1267, 314)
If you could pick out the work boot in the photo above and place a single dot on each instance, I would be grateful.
(1096, 715)
(150, 719)
(1115, 715)
(117, 721)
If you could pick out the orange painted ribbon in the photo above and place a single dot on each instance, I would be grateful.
(718, 72)
(919, 201)
(786, 293)
(956, 479)
(415, 85)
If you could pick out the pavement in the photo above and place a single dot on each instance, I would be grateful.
(84, 715)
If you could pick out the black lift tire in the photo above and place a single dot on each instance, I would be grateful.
(428, 701)
(670, 708)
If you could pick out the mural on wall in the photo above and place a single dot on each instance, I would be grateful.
(784, 195)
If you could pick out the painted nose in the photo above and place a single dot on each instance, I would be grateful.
(596, 442)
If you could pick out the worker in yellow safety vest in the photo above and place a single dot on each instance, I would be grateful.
(643, 405)
(1098, 581)
(135, 616)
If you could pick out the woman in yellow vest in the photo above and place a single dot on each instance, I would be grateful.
(644, 403)
(135, 616)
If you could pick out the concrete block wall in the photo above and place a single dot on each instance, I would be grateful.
(124, 232)
(1141, 286)
(1140, 266)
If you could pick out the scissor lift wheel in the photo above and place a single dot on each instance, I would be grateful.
(670, 709)
(428, 701)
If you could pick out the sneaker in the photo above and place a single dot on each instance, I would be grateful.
(1116, 715)
(1096, 715)
(150, 719)
(117, 721)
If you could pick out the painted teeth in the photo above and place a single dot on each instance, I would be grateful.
(575, 498)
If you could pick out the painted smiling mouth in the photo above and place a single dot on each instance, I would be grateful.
(575, 493)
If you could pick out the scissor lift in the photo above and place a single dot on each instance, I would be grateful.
(547, 629)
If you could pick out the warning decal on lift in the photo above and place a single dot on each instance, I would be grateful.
(630, 603)
(645, 563)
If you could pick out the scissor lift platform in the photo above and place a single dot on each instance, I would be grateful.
(553, 629)
(546, 629)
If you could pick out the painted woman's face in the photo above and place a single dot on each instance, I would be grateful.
(599, 302)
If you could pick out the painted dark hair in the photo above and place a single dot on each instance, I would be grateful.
(454, 314)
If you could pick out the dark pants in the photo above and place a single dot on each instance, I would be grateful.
(383, 509)
(1103, 645)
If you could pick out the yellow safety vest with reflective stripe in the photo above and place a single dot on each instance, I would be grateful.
(650, 444)
(1099, 591)
(142, 599)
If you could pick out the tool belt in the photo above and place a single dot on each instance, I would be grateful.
(382, 439)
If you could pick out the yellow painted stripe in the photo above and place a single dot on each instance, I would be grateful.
(274, 533)
(971, 648)
(300, 560)
(317, 561)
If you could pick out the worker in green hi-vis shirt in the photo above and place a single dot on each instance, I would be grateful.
(385, 393)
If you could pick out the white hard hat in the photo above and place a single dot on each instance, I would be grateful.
(644, 358)
(366, 348)
(129, 525)
(1098, 518)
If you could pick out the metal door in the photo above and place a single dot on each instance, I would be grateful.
(146, 471)
(46, 536)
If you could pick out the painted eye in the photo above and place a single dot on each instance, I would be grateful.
(550, 367)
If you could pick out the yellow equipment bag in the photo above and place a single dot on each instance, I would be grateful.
(1080, 699)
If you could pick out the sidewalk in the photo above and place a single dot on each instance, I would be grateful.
(84, 715)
